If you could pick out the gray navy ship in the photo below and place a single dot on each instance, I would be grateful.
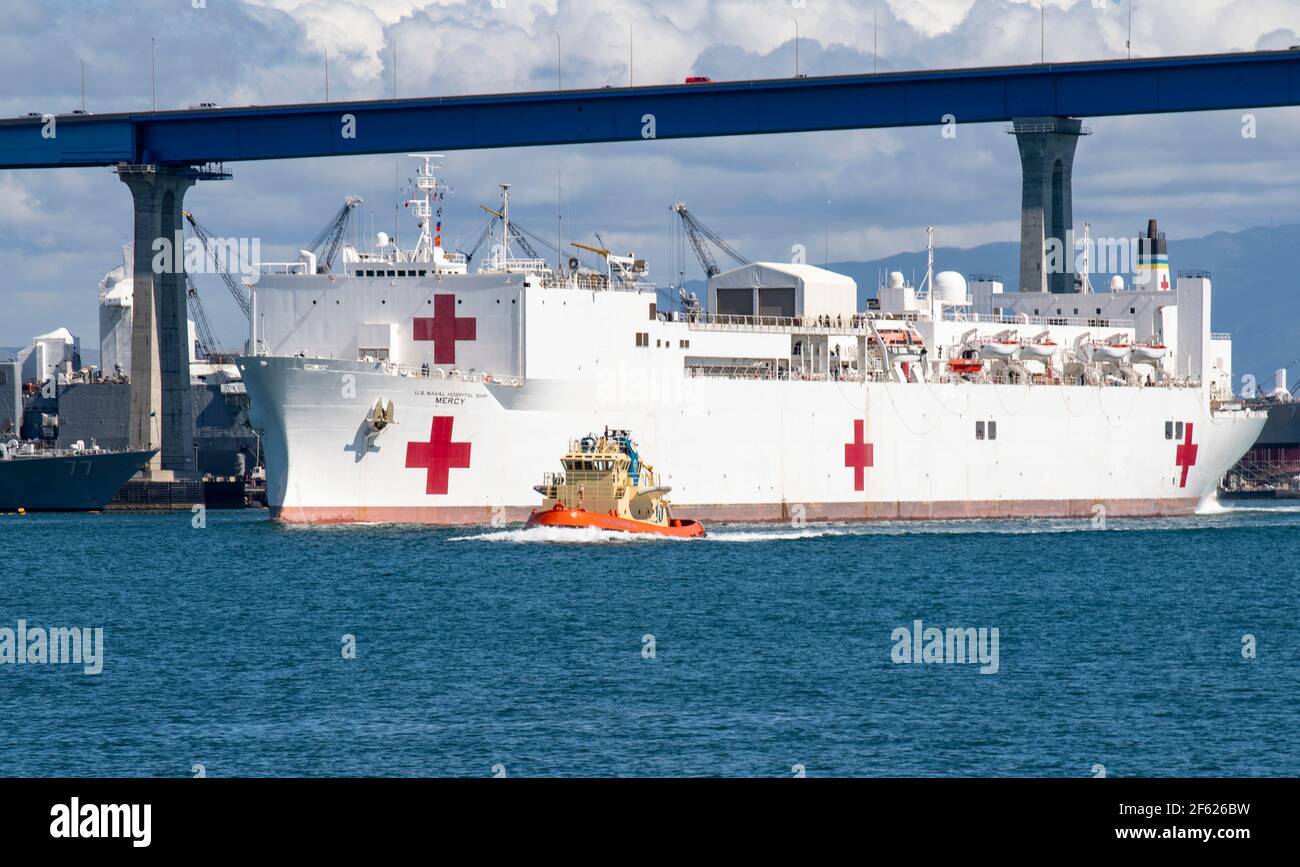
(63, 480)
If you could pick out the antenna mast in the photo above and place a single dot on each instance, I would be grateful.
(428, 189)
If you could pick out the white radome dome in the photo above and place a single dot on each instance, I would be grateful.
(951, 287)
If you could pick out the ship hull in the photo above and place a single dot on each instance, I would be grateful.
(468, 452)
(580, 519)
(66, 483)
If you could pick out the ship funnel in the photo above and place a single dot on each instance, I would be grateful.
(1153, 260)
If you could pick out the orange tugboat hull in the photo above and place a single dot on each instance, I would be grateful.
(577, 518)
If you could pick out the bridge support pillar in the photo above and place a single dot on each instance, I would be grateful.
(1047, 146)
(161, 411)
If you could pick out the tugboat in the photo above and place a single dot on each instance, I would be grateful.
(605, 485)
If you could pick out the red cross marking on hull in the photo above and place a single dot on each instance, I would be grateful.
(1185, 455)
(859, 455)
(445, 328)
(439, 455)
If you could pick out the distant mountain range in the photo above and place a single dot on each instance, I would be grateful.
(1254, 273)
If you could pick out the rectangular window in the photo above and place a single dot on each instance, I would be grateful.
(979, 430)
(1076, 311)
(643, 338)
(1035, 311)
(1178, 430)
(653, 307)
(1132, 310)
(1169, 430)
(1098, 311)
(993, 430)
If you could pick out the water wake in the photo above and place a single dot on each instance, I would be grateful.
(564, 535)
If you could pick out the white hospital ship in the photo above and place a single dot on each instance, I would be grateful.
(401, 387)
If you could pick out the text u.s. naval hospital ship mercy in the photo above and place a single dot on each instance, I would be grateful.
(404, 388)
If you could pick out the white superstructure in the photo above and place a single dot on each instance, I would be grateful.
(406, 388)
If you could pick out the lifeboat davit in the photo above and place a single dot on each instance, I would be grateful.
(561, 516)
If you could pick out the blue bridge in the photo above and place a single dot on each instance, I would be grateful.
(1090, 89)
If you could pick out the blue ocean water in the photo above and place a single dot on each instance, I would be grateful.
(509, 649)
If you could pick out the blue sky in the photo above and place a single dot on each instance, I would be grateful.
(870, 193)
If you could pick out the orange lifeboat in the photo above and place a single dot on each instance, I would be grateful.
(605, 485)
(965, 366)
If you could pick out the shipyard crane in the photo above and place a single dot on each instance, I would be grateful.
(207, 340)
(699, 234)
(211, 249)
(326, 244)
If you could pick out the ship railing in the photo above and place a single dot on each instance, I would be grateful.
(515, 266)
(555, 280)
(278, 269)
(839, 324)
(446, 374)
(728, 371)
(1018, 319)
(1220, 335)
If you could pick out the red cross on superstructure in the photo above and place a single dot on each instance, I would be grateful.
(444, 328)
(859, 455)
(1185, 455)
(439, 455)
